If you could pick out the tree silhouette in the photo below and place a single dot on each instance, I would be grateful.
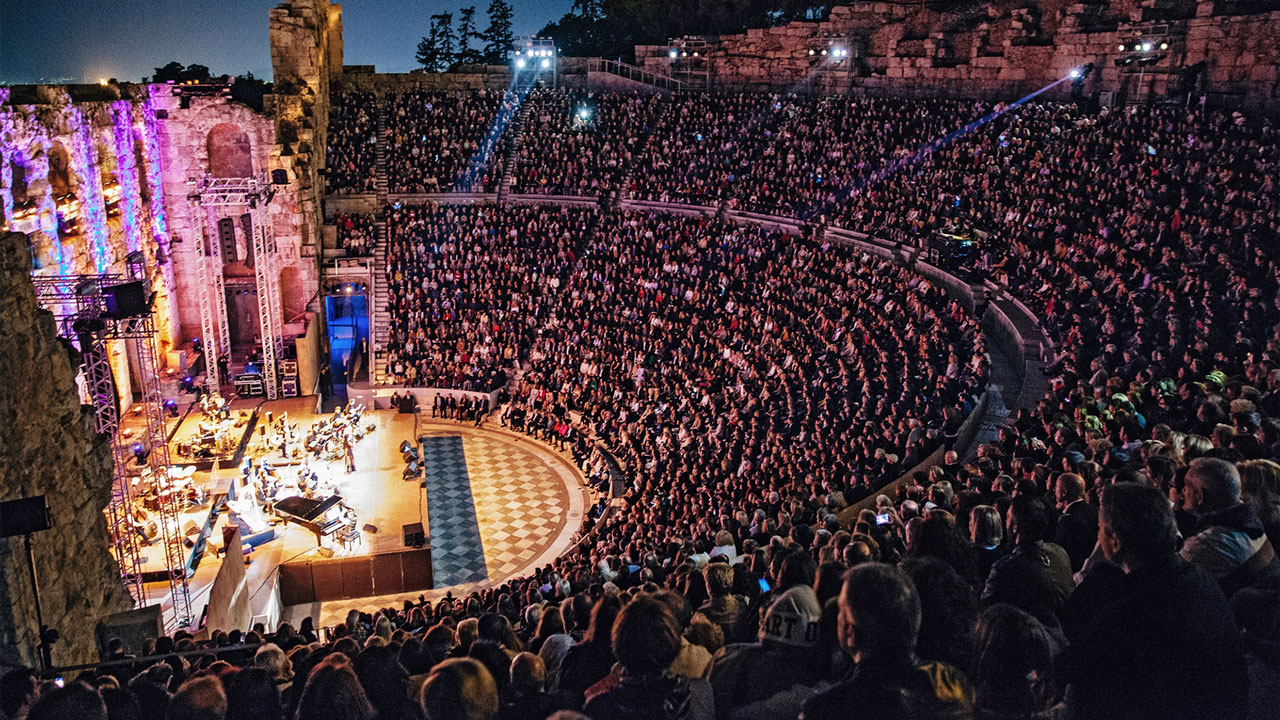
(436, 51)
(497, 37)
(468, 54)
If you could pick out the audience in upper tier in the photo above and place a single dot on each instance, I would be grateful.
(356, 233)
(1111, 554)
(445, 141)
(350, 165)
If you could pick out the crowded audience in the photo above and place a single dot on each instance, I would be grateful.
(351, 153)
(578, 143)
(446, 141)
(777, 553)
(357, 234)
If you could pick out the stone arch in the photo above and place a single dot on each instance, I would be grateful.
(61, 175)
(230, 151)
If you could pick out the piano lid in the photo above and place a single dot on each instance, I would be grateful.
(306, 508)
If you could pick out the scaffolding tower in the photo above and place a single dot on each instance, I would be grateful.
(79, 304)
(209, 197)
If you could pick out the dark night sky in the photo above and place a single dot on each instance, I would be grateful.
(84, 40)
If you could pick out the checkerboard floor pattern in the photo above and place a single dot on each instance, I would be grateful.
(520, 502)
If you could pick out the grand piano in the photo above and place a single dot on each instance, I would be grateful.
(322, 517)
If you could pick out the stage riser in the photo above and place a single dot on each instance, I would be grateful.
(355, 577)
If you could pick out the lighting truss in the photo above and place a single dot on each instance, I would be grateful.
(208, 196)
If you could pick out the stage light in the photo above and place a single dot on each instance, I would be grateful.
(140, 453)
(348, 289)
(811, 51)
(1075, 74)
(102, 82)
(1146, 47)
(411, 471)
(546, 64)
(1137, 47)
(520, 63)
(839, 52)
(1121, 48)
(673, 53)
(824, 51)
(171, 407)
(1164, 46)
(684, 54)
(695, 53)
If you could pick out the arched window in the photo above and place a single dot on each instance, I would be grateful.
(230, 153)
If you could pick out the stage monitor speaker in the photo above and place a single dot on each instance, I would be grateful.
(246, 225)
(414, 536)
(279, 177)
(325, 552)
(24, 516)
(370, 528)
(127, 300)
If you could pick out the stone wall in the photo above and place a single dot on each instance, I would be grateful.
(55, 454)
(1004, 50)
(88, 152)
(475, 77)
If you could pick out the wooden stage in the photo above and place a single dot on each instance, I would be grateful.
(501, 505)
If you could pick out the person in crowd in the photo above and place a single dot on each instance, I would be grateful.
(460, 689)
(1077, 528)
(1230, 543)
(879, 621)
(1036, 575)
(646, 640)
(1162, 641)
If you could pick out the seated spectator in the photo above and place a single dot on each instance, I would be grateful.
(784, 660)
(1077, 528)
(1013, 673)
(333, 692)
(81, 702)
(879, 620)
(646, 640)
(200, 698)
(1161, 642)
(459, 689)
(1230, 543)
(1036, 575)
(529, 700)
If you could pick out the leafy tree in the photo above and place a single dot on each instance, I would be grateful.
(175, 72)
(497, 37)
(250, 91)
(467, 36)
(436, 51)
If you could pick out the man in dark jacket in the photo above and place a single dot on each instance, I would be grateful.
(1160, 641)
(878, 625)
(1077, 530)
(1036, 576)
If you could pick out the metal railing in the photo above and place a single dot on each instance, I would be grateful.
(637, 74)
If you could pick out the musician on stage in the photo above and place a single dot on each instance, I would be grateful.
(348, 449)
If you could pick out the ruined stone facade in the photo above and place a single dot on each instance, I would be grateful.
(1003, 51)
(81, 174)
(89, 177)
(56, 454)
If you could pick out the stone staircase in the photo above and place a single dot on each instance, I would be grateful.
(381, 315)
(515, 135)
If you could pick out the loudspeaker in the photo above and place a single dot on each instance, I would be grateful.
(126, 299)
(24, 516)
(227, 238)
(278, 177)
(246, 224)
(325, 552)
(370, 528)
(414, 536)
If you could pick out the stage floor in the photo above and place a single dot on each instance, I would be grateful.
(497, 505)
